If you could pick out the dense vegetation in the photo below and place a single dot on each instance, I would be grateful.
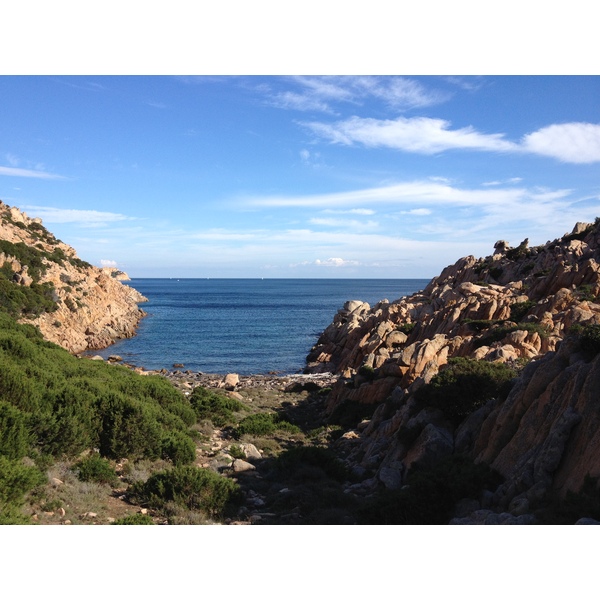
(54, 406)
(464, 386)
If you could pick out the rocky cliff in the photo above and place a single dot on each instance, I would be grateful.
(89, 308)
(533, 309)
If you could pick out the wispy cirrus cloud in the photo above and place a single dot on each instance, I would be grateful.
(322, 94)
(347, 224)
(567, 142)
(84, 218)
(422, 135)
(32, 173)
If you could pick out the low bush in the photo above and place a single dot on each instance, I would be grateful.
(96, 469)
(177, 447)
(215, 407)
(464, 386)
(589, 337)
(16, 481)
(15, 436)
(261, 424)
(499, 332)
(188, 486)
(294, 459)
(137, 519)
(519, 309)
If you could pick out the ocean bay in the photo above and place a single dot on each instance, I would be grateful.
(248, 326)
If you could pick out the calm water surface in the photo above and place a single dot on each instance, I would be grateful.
(247, 326)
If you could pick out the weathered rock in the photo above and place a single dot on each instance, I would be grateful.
(230, 381)
(94, 307)
(240, 466)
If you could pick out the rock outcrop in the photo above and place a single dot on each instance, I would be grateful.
(93, 308)
(518, 306)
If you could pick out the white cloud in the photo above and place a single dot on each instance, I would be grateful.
(89, 218)
(320, 93)
(567, 142)
(414, 192)
(511, 180)
(417, 212)
(310, 159)
(352, 211)
(336, 262)
(344, 223)
(36, 174)
(108, 263)
(295, 101)
(422, 135)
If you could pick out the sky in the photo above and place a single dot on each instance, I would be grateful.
(298, 175)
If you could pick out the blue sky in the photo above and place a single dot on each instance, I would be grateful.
(299, 176)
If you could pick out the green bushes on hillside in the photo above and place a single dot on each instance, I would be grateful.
(57, 404)
(464, 386)
(218, 408)
(190, 487)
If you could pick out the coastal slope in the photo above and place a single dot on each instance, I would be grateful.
(77, 306)
(534, 311)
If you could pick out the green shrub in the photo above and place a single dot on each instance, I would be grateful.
(464, 386)
(188, 486)
(479, 325)
(519, 309)
(129, 428)
(406, 327)
(178, 448)
(137, 519)
(97, 469)
(15, 436)
(367, 372)
(236, 452)
(16, 480)
(261, 424)
(293, 459)
(589, 337)
(499, 332)
(215, 407)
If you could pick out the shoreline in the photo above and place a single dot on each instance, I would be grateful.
(187, 380)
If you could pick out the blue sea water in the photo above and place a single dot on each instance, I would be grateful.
(247, 326)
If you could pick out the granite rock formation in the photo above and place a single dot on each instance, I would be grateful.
(94, 308)
(520, 306)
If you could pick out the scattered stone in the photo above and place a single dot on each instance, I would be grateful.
(239, 466)
(230, 381)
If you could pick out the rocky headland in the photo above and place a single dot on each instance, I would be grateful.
(533, 309)
(89, 307)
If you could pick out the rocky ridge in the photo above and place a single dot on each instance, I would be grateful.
(93, 307)
(516, 307)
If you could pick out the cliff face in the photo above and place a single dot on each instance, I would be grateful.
(516, 307)
(93, 308)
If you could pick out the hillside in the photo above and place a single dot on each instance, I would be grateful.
(74, 304)
(495, 360)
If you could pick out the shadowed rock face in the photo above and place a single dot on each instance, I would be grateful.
(94, 307)
(515, 306)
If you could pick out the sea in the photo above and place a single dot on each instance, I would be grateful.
(246, 326)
